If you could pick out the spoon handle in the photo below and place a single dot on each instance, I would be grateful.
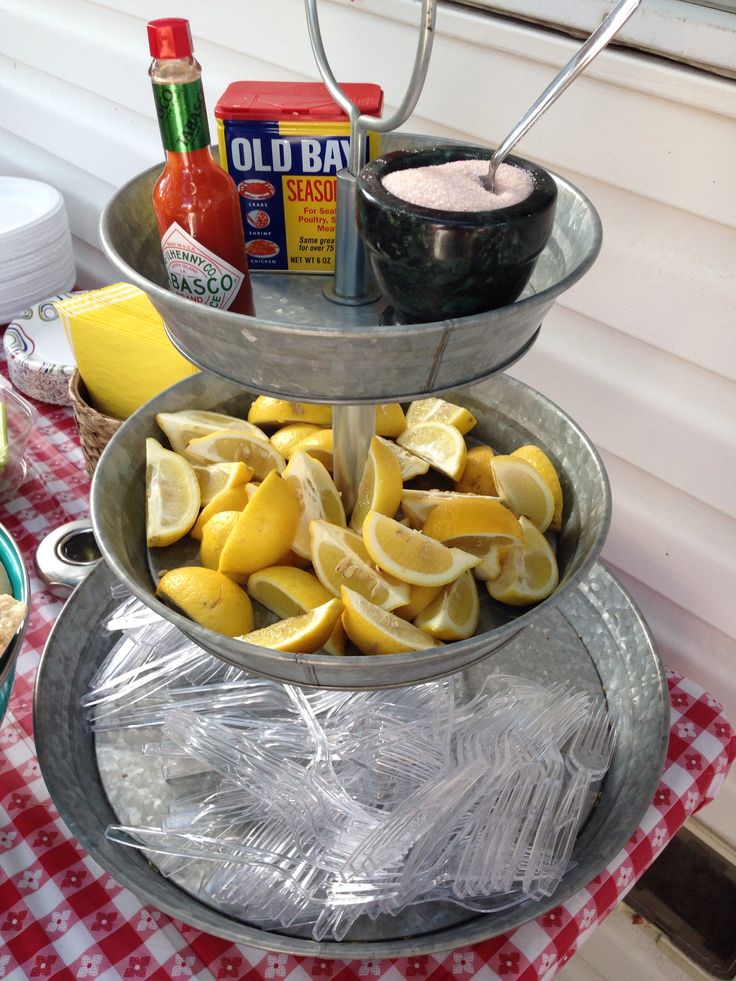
(578, 63)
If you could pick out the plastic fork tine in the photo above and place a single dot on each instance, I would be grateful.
(592, 746)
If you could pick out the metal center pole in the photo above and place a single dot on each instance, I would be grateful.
(353, 283)
(353, 427)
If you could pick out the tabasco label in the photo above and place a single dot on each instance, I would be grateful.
(196, 273)
(283, 144)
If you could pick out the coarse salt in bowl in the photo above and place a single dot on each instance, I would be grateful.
(452, 249)
(458, 186)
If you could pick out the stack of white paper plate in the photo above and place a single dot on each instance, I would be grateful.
(36, 258)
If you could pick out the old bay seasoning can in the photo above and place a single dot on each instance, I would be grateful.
(283, 143)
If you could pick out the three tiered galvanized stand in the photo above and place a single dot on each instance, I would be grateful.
(323, 341)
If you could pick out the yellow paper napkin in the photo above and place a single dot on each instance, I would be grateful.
(121, 348)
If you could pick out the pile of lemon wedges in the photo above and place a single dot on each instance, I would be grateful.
(400, 573)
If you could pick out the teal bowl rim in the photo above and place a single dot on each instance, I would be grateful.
(12, 560)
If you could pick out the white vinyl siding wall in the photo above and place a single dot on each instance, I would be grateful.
(641, 352)
(685, 31)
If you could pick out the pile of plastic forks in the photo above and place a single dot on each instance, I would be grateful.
(321, 807)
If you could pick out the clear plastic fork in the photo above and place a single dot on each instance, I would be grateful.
(589, 756)
(591, 749)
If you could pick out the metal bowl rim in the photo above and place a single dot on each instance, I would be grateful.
(371, 400)
(165, 296)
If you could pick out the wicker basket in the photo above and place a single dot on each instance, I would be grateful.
(95, 429)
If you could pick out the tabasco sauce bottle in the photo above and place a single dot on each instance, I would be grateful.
(195, 200)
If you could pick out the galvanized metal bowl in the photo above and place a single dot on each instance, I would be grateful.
(12, 561)
(509, 413)
(302, 346)
(595, 639)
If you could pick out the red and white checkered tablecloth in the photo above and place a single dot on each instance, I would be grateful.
(62, 916)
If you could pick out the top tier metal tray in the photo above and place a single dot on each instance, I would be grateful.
(303, 346)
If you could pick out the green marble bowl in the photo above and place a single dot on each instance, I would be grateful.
(433, 265)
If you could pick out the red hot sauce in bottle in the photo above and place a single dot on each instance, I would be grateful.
(196, 202)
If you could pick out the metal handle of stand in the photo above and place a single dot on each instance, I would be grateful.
(353, 282)
(354, 425)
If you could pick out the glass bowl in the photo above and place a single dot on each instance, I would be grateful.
(17, 419)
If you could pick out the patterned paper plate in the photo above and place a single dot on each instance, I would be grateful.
(40, 358)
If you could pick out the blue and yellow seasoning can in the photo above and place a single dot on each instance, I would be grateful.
(283, 144)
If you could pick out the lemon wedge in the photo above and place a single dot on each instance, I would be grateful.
(490, 566)
(316, 495)
(419, 598)
(267, 411)
(477, 477)
(455, 613)
(182, 427)
(380, 486)
(264, 531)
(523, 489)
(214, 535)
(286, 591)
(411, 556)
(474, 524)
(208, 598)
(285, 439)
(318, 444)
(376, 631)
(217, 476)
(229, 446)
(390, 419)
(437, 410)
(340, 558)
(289, 592)
(529, 573)
(546, 470)
(439, 444)
(172, 495)
(409, 464)
(302, 634)
(230, 499)
(417, 504)
(290, 557)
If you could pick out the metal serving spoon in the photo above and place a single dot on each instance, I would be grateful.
(578, 63)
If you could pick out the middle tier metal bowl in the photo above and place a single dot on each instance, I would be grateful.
(510, 414)
(302, 346)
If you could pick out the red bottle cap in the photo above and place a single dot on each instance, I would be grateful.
(170, 37)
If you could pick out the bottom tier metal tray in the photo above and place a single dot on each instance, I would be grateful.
(595, 638)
